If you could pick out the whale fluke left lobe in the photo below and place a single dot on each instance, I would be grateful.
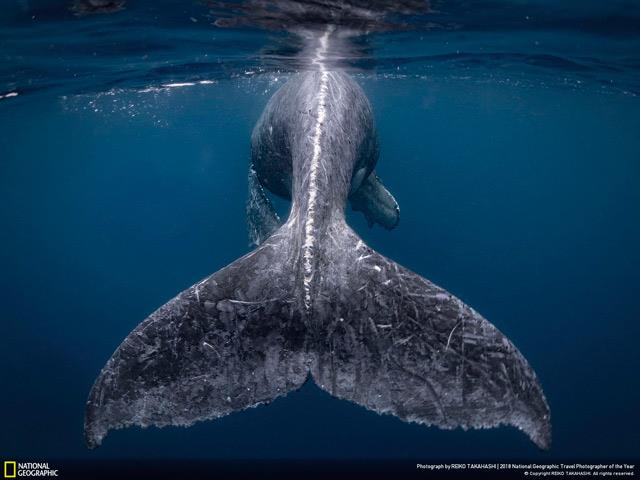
(232, 341)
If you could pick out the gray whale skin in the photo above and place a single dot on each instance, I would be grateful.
(314, 301)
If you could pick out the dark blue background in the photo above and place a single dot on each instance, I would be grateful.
(523, 201)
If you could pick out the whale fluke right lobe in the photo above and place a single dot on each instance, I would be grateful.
(398, 344)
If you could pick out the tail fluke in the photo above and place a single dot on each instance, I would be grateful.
(227, 343)
(399, 344)
(376, 334)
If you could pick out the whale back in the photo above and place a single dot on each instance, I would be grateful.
(287, 121)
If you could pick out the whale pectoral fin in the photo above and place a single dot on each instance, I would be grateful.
(376, 203)
(227, 343)
(262, 219)
(404, 346)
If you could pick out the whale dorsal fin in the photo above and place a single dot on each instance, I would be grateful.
(376, 203)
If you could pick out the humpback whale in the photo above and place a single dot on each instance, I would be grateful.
(313, 301)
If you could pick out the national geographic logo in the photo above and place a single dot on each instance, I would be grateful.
(13, 469)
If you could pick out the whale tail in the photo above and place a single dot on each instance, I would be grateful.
(377, 334)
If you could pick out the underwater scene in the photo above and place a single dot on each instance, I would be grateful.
(147, 144)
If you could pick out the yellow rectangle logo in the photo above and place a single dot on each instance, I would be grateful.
(9, 469)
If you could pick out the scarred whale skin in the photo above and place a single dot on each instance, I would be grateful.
(314, 301)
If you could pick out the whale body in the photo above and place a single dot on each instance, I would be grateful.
(273, 141)
(314, 301)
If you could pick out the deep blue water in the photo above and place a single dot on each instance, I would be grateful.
(513, 149)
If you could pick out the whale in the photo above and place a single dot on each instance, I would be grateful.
(313, 302)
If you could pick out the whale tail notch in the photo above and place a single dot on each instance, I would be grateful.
(380, 336)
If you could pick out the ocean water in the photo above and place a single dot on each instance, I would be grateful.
(509, 134)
